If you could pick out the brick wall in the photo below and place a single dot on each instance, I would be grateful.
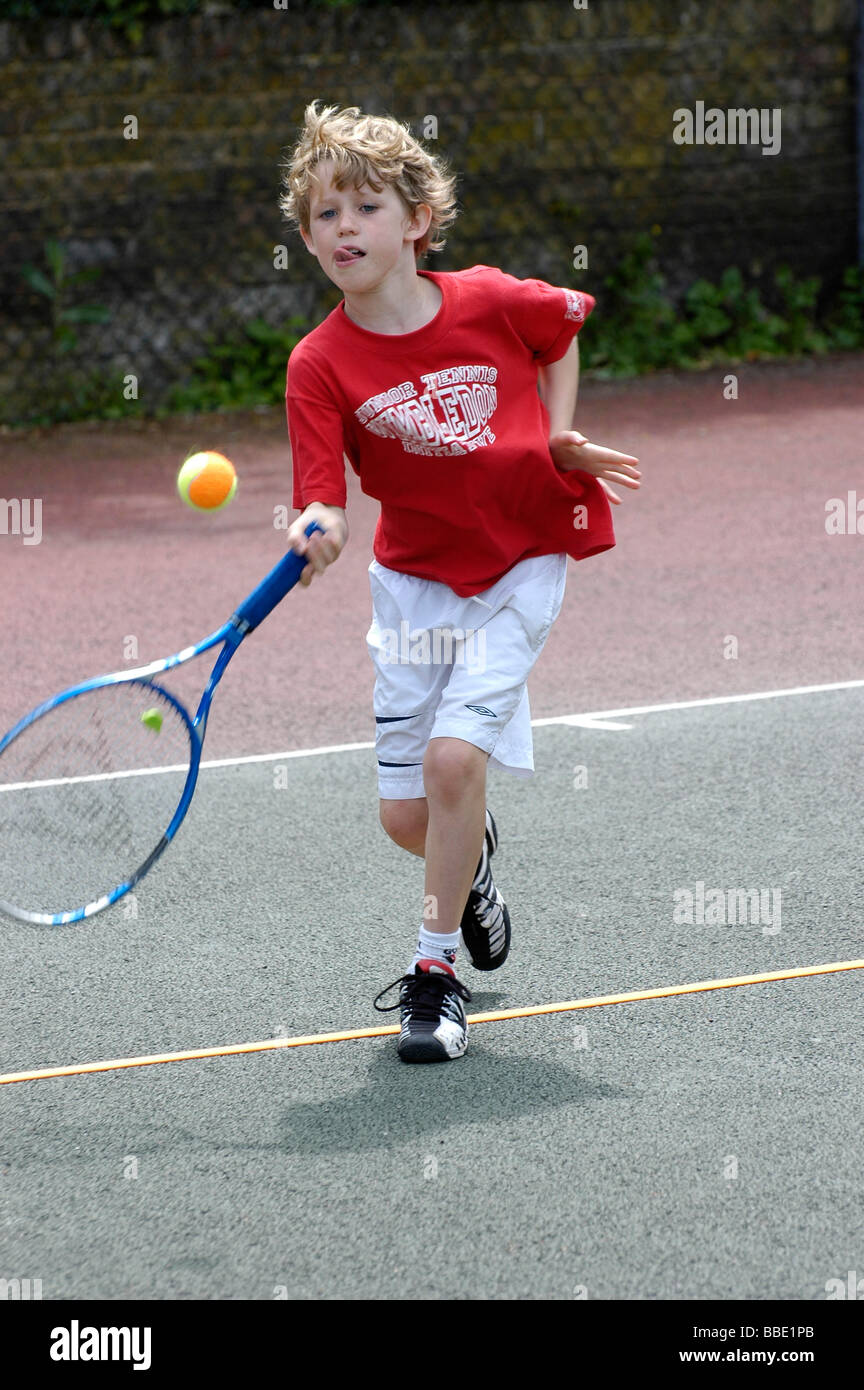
(559, 121)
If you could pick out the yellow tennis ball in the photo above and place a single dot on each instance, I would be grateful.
(207, 481)
(152, 718)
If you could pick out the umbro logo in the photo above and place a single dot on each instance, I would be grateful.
(481, 709)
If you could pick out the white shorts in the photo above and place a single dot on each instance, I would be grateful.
(451, 667)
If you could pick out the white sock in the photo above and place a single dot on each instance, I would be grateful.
(438, 947)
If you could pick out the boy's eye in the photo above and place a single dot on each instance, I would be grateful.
(328, 213)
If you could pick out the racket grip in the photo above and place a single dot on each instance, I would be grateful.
(273, 587)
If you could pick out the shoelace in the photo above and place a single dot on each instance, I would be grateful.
(424, 994)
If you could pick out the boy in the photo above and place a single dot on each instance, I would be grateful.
(428, 383)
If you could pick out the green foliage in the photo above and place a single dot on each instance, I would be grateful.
(246, 370)
(638, 329)
(63, 391)
(238, 373)
(56, 291)
(74, 394)
(129, 17)
(641, 330)
(844, 321)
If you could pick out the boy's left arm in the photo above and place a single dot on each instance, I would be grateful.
(559, 386)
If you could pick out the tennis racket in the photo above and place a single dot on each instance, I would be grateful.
(94, 783)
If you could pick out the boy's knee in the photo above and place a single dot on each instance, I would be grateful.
(450, 763)
(405, 821)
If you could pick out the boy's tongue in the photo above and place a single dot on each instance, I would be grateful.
(344, 257)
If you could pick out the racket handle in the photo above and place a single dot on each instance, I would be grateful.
(273, 587)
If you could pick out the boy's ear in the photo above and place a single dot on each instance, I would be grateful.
(418, 221)
(307, 239)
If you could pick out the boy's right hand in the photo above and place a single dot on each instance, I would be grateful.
(320, 550)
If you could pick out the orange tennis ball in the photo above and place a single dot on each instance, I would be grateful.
(207, 481)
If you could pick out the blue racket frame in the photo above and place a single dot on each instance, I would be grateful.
(245, 618)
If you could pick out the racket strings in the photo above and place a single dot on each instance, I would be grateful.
(85, 797)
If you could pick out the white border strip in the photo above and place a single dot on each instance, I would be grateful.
(591, 719)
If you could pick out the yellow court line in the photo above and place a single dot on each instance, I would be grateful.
(271, 1044)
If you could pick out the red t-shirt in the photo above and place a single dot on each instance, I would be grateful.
(445, 426)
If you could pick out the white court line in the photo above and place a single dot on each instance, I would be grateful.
(182, 767)
(693, 704)
(591, 719)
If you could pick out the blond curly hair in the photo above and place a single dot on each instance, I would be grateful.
(373, 150)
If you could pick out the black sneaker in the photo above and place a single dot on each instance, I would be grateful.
(485, 922)
(434, 1028)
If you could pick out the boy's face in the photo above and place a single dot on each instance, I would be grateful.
(358, 235)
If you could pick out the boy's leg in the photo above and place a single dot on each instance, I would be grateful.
(448, 764)
(447, 827)
(447, 761)
(454, 774)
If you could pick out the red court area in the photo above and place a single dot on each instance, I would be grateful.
(725, 540)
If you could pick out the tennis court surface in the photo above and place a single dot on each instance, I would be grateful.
(700, 1146)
